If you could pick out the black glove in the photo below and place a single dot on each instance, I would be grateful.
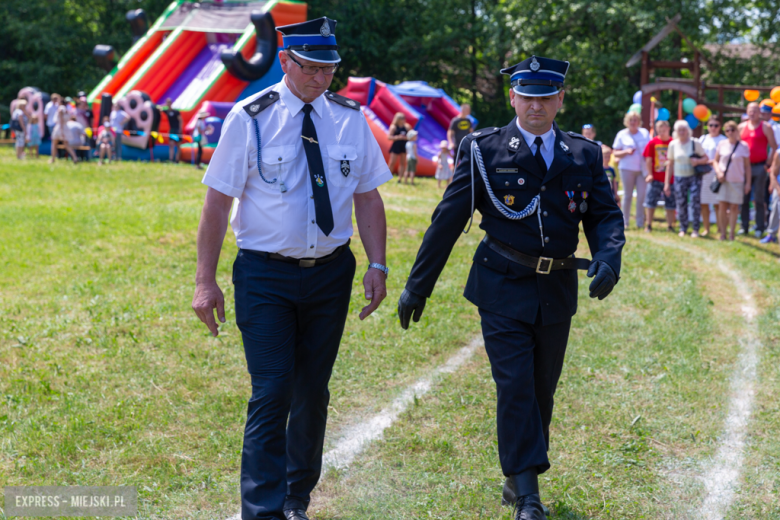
(605, 279)
(408, 304)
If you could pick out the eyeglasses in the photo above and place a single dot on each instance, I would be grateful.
(729, 130)
(715, 125)
(311, 70)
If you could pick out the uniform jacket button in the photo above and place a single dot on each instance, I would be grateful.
(485, 259)
(546, 239)
(544, 188)
(544, 214)
(506, 183)
(579, 185)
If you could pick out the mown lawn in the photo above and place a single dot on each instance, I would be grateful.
(108, 378)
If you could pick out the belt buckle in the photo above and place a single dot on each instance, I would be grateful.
(539, 265)
(307, 262)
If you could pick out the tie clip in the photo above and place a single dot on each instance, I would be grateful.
(310, 139)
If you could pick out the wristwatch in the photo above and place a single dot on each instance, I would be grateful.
(381, 267)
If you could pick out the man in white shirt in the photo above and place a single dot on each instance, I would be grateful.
(117, 121)
(50, 111)
(296, 157)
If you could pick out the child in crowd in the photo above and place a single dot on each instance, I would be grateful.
(443, 170)
(606, 153)
(33, 136)
(105, 141)
(411, 157)
(19, 123)
(589, 131)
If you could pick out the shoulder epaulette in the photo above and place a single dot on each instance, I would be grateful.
(580, 136)
(343, 101)
(483, 132)
(256, 106)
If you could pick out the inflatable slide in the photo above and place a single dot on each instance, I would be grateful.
(429, 110)
(201, 55)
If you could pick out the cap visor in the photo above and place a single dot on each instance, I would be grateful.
(535, 90)
(319, 56)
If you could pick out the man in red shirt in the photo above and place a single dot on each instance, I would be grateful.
(761, 141)
(655, 157)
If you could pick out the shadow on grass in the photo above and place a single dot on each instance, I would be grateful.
(755, 244)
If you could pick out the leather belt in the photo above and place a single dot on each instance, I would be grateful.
(310, 262)
(542, 264)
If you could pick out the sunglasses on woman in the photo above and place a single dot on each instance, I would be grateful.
(715, 125)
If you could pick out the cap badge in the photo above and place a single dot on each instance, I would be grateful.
(564, 147)
(520, 181)
(509, 200)
(325, 29)
(534, 64)
(514, 143)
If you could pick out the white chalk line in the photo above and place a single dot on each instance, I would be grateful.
(721, 479)
(354, 439)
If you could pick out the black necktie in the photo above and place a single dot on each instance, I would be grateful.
(319, 186)
(538, 155)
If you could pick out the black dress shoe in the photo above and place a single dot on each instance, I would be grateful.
(509, 496)
(295, 514)
(529, 507)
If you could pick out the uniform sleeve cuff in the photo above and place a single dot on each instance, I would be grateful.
(376, 180)
(221, 187)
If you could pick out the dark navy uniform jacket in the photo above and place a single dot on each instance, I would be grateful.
(496, 283)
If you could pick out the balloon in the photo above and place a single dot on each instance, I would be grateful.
(776, 109)
(653, 100)
(88, 131)
(692, 121)
(775, 94)
(638, 97)
(709, 115)
(700, 112)
(688, 105)
(636, 107)
(752, 95)
(663, 115)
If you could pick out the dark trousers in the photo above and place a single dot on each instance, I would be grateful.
(526, 361)
(758, 190)
(291, 319)
(200, 154)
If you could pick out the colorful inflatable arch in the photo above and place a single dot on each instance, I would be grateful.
(429, 110)
(195, 53)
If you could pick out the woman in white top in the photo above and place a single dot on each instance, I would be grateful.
(710, 143)
(628, 147)
(680, 164)
(60, 135)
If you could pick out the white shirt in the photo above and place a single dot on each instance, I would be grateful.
(548, 143)
(51, 113)
(74, 132)
(117, 120)
(638, 141)
(266, 219)
(710, 144)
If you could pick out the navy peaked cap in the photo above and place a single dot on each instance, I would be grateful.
(537, 76)
(314, 40)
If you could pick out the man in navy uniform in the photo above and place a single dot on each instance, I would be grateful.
(295, 156)
(533, 185)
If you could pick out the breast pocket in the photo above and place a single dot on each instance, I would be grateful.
(341, 165)
(277, 167)
(577, 184)
(511, 189)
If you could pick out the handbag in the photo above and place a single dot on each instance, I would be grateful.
(715, 186)
(700, 169)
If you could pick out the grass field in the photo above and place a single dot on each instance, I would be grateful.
(108, 378)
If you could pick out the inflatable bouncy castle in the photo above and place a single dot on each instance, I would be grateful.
(429, 110)
(204, 56)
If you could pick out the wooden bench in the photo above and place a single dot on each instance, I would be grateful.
(82, 152)
(7, 141)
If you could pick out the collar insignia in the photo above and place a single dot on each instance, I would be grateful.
(325, 29)
(351, 102)
(564, 147)
(514, 143)
(534, 64)
(254, 108)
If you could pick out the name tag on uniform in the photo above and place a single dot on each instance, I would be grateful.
(506, 170)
